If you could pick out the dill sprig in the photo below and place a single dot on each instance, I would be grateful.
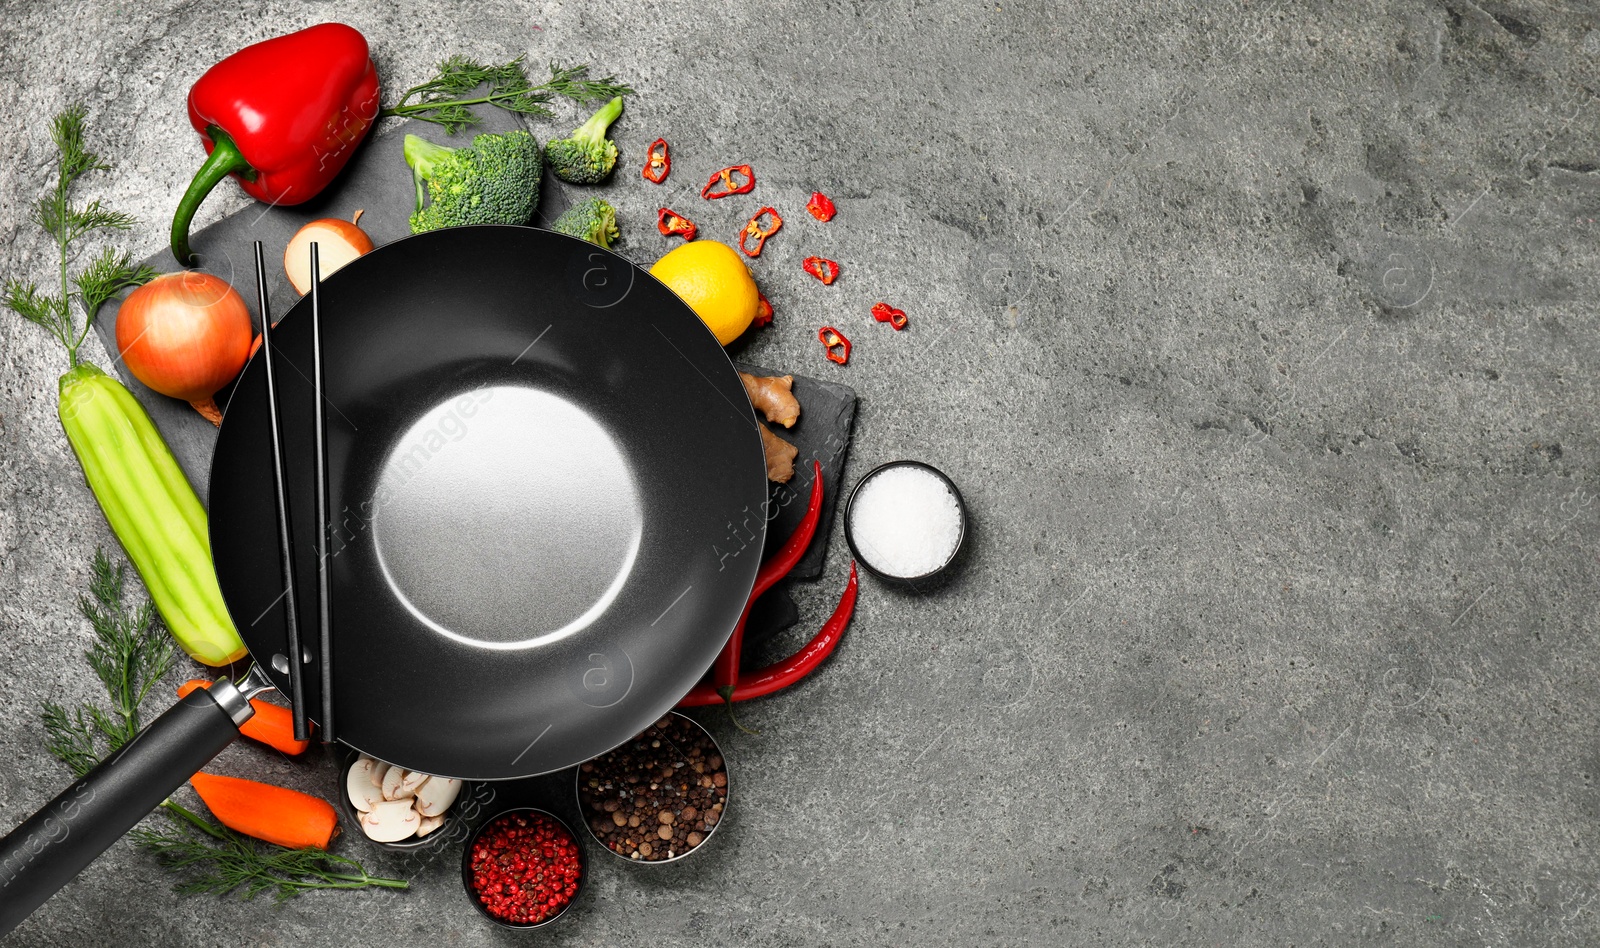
(222, 861)
(130, 654)
(445, 99)
(66, 223)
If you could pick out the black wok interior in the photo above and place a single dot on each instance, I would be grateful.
(535, 455)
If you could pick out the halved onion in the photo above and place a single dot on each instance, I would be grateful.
(338, 242)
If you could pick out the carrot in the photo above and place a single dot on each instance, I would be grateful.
(272, 724)
(278, 815)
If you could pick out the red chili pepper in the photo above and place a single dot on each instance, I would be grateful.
(884, 313)
(822, 268)
(725, 178)
(725, 672)
(763, 310)
(282, 117)
(780, 675)
(833, 339)
(673, 224)
(820, 207)
(657, 161)
(753, 228)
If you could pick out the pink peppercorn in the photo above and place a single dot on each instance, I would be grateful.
(525, 868)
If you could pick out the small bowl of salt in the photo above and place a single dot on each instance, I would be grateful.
(905, 522)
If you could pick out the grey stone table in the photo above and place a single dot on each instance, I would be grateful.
(1261, 338)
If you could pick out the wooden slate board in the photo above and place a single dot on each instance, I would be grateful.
(378, 182)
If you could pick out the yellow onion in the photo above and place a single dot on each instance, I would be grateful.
(186, 335)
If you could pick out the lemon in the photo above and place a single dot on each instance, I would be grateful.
(716, 284)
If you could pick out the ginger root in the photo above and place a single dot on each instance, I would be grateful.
(772, 395)
(780, 456)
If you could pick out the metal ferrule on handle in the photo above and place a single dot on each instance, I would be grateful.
(232, 701)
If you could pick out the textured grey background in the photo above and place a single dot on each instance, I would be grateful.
(1261, 339)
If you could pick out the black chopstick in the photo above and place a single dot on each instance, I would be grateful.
(291, 609)
(324, 593)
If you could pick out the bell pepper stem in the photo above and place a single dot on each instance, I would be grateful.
(224, 160)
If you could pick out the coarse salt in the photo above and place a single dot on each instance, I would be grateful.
(905, 521)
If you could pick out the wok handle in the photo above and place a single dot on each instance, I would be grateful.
(56, 843)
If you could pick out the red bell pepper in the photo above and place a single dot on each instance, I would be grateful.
(282, 117)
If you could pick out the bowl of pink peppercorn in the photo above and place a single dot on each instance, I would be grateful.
(523, 868)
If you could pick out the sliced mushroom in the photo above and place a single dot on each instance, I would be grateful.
(378, 772)
(358, 785)
(391, 821)
(435, 796)
(394, 785)
(412, 780)
(429, 824)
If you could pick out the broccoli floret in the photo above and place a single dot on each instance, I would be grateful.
(593, 220)
(588, 156)
(495, 181)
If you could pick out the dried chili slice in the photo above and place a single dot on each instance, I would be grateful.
(657, 162)
(822, 268)
(754, 230)
(820, 207)
(673, 224)
(884, 313)
(837, 346)
(763, 310)
(725, 179)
